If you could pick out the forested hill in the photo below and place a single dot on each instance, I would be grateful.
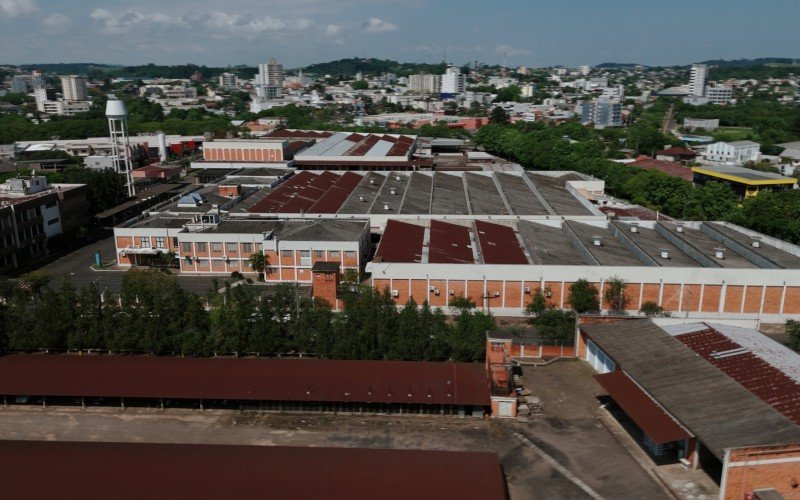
(751, 62)
(102, 71)
(354, 65)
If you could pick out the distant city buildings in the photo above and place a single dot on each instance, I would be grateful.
(228, 81)
(602, 112)
(708, 124)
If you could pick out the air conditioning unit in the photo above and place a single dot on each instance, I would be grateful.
(452, 292)
(527, 290)
(436, 291)
(548, 294)
(495, 294)
(431, 288)
(395, 293)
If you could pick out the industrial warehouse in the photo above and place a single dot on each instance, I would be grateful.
(492, 237)
(90, 470)
(317, 385)
(722, 398)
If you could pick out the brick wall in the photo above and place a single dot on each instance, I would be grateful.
(776, 467)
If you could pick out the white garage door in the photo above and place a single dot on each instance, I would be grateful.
(598, 359)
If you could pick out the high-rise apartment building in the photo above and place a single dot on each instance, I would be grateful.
(73, 88)
(697, 80)
(428, 84)
(453, 82)
(228, 81)
(269, 75)
(602, 112)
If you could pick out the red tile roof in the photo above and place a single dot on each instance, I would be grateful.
(309, 193)
(642, 409)
(337, 194)
(756, 375)
(190, 471)
(449, 244)
(677, 151)
(499, 244)
(401, 242)
(671, 169)
(253, 379)
(292, 133)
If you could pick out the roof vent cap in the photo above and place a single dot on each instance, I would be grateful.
(679, 228)
(719, 253)
(634, 228)
(756, 243)
(664, 253)
(597, 241)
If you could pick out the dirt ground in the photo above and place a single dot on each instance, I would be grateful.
(569, 432)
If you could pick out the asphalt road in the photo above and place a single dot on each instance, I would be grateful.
(77, 265)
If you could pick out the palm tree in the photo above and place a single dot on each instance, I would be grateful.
(259, 263)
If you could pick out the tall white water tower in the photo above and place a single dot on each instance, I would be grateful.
(120, 146)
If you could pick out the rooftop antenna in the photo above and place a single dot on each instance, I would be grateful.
(117, 116)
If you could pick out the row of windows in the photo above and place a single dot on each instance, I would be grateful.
(217, 247)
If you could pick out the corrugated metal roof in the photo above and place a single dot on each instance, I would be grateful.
(642, 409)
(255, 379)
(767, 382)
(499, 244)
(177, 471)
(450, 244)
(714, 407)
(401, 242)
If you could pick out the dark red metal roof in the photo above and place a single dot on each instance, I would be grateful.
(641, 408)
(38, 469)
(401, 242)
(449, 244)
(765, 381)
(274, 201)
(671, 169)
(291, 133)
(677, 151)
(258, 379)
(337, 194)
(499, 244)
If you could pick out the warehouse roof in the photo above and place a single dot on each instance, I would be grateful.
(744, 175)
(256, 379)
(713, 406)
(371, 147)
(143, 470)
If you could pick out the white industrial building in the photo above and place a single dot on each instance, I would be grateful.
(733, 152)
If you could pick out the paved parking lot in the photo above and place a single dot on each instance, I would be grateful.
(561, 450)
(77, 265)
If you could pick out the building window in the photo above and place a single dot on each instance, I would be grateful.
(233, 247)
(52, 221)
(286, 253)
(175, 243)
(305, 257)
(247, 247)
(160, 243)
(186, 247)
(202, 262)
(201, 247)
(216, 247)
(350, 254)
(334, 254)
(144, 241)
(319, 254)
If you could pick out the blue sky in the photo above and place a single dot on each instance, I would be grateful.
(300, 32)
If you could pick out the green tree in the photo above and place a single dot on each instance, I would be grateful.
(583, 297)
(615, 294)
(499, 115)
(536, 306)
(652, 310)
(793, 331)
(555, 324)
(258, 261)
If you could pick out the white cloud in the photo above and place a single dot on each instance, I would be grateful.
(15, 8)
(56, 21)
(236, 23)
(124, 22)
(332, 30)
(376, 25)
(511, 51)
